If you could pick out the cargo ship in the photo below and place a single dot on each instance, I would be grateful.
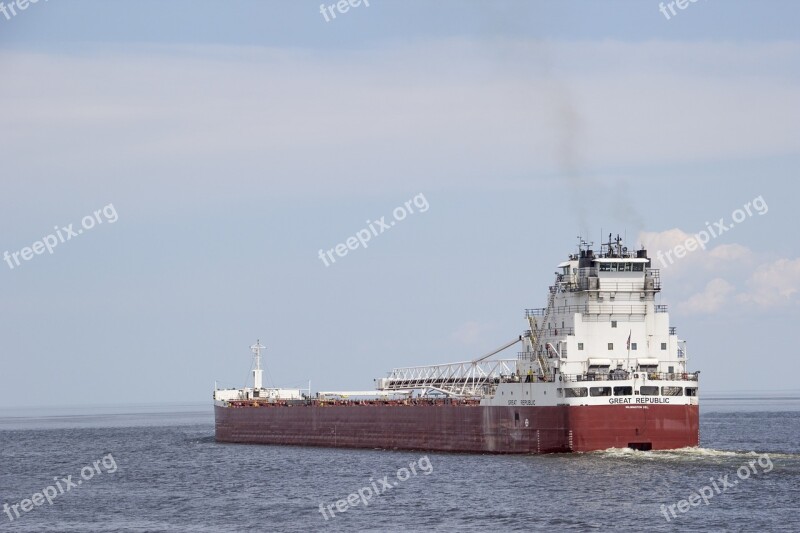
(598, 367)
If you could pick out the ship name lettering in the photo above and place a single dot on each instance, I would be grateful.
(652, 400)
(619, 400)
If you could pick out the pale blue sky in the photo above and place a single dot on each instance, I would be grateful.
(236, 139)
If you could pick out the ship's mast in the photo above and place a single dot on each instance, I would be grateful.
(258, 373)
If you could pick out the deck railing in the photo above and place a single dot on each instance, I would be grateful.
(623, 375)
(606, 307)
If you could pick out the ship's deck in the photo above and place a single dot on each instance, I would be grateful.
(421, 402)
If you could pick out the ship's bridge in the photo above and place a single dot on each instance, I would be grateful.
(602, 316)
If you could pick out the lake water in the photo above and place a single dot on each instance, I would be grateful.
(149, 468)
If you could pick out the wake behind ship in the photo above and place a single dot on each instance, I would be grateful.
(600, 368)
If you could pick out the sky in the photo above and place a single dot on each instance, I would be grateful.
(190, 164)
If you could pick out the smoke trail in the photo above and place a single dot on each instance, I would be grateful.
(589, 201)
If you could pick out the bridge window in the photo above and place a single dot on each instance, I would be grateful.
(671, 391)
(576, 392)
(638, 267)
(646, 390)
(600, 391)
(605, 267)
(691, 391)
(623, 391)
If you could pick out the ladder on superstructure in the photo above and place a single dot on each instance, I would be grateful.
(538, 330)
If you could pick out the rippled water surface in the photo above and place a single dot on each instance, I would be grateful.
(164, 472)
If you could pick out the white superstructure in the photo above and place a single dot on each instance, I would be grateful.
(602, 339)
(257, 391)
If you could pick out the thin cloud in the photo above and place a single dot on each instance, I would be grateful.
(774, 284)
(715, 295)
(297, 122)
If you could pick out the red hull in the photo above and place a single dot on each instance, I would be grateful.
(463, 428)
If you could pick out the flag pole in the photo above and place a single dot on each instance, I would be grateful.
(629, 350)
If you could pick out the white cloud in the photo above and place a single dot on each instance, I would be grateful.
(661, 248)
(731, 252)
(663, 241)
(773, 284)
(716, 294)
